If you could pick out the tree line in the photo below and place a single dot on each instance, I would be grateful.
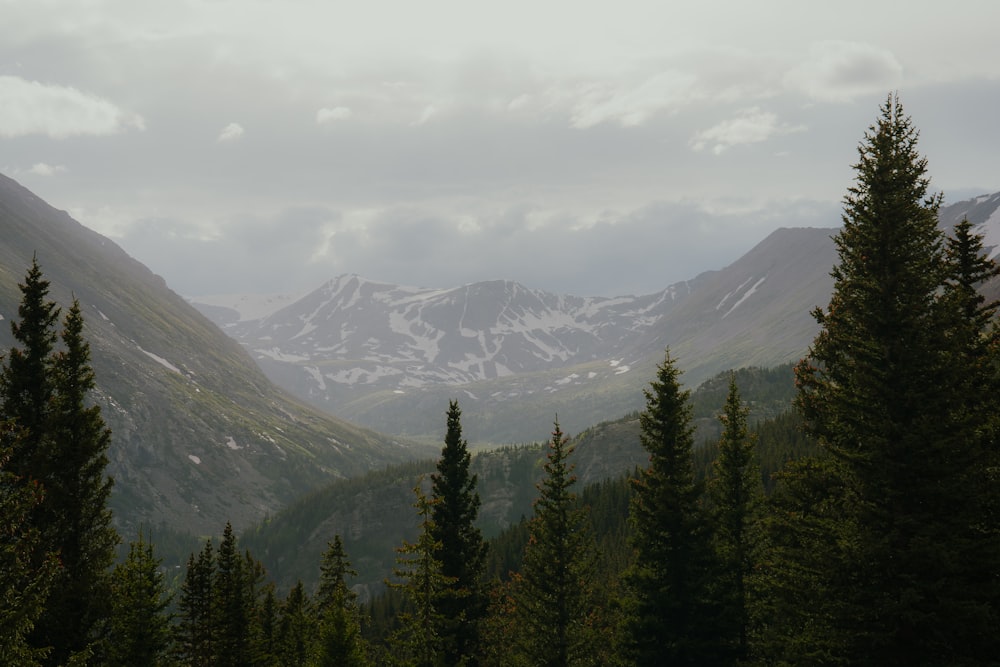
(882, 547)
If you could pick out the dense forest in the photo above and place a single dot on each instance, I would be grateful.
(859, 529)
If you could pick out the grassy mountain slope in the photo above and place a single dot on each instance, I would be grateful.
(200, 436)
(374, 514)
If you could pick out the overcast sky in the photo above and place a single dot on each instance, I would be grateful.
(588, 148)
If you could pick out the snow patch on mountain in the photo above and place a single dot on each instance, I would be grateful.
(747, 295)
(160, 360)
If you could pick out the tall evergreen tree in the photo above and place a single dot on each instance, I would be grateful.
(671, 620)
(194, 634)
(63, 446)
(462, 551)
(553, 591)
(24, 580)
(882, 390)
(340, 640)
(418, 641)
(26, 379)
(296, 630)
(77, 518)
(140, 625)
(231, 606)
(806, 536)
(736, 491)
(265, 644)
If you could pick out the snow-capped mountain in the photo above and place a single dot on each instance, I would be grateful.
(390, 357)
(352, 331)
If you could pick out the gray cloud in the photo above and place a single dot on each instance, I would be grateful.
(439, 150)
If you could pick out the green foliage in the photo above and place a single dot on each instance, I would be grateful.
(798, 581)
(553, 592)
(24, 579)
(735, 492)
(670, 614)
(890, 390)
(340, 640)
(63, 445)
(139, 632)
(194, 634)
(461, 550)
(296, 629)
(418, 642)
(232, 608)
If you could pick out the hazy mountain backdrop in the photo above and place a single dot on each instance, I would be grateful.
(200, 436)
(389, 357)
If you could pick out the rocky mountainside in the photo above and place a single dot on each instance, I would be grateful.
(200, 435)
(389, 357)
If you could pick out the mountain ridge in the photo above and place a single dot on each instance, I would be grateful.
(199, 435)
(382, 355)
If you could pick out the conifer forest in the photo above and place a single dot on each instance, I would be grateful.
(861, 528)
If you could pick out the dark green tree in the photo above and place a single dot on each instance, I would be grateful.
(884, 390)
(231, 604)
(735, 492)
(418, 640)
(462, 551)
(63, 445)
(340, 640)
(553, 593)
(296, 629)
(26, 379)
(671, 618)
(194, 634)
(78, 522)
(140, 624)
(806, 536)
(24, 580)
(265, 641)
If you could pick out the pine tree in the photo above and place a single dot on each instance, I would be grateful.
(140, 625)
(194, 634)
(63, 446)
(76, 513)
(553, 592)
(883, 391)
(24, 580)
(806, 536)
(231, 606)
(462, 551)
(670, 616)
(265, 644)
(296, 630)
(735, 492)
(26, 379)
(340, 640)
(418, 641)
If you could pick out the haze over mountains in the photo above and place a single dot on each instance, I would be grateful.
(387, 356)
(201, 436)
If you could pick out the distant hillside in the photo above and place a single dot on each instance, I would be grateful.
(200, 436)
(389, 357)
(374, 513)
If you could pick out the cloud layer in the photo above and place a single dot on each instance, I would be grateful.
(590, 148)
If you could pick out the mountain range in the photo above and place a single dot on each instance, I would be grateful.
(389, 356)
(199, 435)
(202, 436)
